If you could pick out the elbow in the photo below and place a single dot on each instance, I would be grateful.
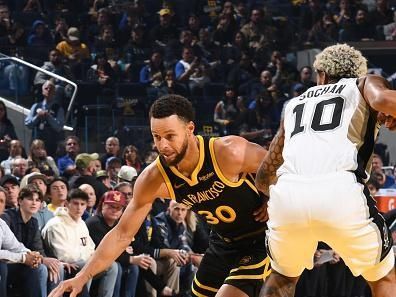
(384, 102)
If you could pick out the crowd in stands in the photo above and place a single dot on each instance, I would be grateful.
(230, 58)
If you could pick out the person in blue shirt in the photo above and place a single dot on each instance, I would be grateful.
(46, 118)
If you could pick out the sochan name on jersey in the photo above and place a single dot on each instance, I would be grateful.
(213, 192)
(335, 89)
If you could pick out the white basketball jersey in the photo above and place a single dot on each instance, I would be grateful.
(329, 128)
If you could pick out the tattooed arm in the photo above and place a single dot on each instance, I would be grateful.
(266, 174)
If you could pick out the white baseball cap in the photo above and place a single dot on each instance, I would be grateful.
(127, 173)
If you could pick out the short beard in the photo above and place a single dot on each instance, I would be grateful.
(179, 157)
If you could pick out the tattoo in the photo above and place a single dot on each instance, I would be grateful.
(266, 174)
(278, 285)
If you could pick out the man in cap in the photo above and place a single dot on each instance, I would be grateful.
(74, 50)
(40, 181)
(85, 166)
(11, 184)
(165, 31)
(126, 174)
(104, 178)
(100, 224)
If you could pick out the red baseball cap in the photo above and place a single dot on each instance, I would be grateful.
(114, 197)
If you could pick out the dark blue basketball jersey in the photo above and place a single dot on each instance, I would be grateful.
(225, 205)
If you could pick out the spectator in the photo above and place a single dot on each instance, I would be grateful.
(11, 184)
(135, 53)
(126, 174)
(131, 157)
(19, 167)
(152, 73)
(103, 177)
(11, 32)
(112, 148)
(226, 111)
(171, 86)
(74, 51)
(106, 42)
(26, 230)
(40, 181)
(39, 159)
(18, 262)
(113, 166)
(126, 188)
(110, 210)
(225, 30)
(242, 74)
(90, 211)
(325, 30)
(15, 150)
(382, 15)
(67, 238)
(102, 73)
(57, 193)
(66, 164)
(7, 131)
(360, 29)
(166, 31)
(60, 29)
(40, 35)
(192, 71)
(390, 29)
(168, 239)
(386, 181)
(46, 118)
(55, 65)
(86, 174)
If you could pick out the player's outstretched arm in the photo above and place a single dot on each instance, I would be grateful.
(378, 94)
(266, 174)
(116, 241)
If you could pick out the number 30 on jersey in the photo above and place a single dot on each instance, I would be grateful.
(222, 213)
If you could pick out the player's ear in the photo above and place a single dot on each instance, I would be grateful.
(191, 127)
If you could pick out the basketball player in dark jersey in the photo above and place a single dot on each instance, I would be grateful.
(214, 178)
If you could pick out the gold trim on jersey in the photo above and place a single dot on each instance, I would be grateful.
(203, 286)
(252, 266)
(197, 293)
(249, 183)
(194, 175)
(166, 179)
(257, 276)
(218, 170)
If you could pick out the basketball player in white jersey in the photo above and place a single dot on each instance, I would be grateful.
(322, 157)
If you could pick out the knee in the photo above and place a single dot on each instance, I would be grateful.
(113, 269)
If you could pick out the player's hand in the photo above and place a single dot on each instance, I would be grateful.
(261, 214)
(73, 285)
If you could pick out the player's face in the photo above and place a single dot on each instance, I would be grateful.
(171, 138)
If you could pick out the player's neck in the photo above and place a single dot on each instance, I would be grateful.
(191, 158)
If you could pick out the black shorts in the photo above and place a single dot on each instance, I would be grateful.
(244, 265)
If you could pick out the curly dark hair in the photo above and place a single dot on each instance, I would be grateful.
(171, 104)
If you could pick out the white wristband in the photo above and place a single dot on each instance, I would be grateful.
(23, 258)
